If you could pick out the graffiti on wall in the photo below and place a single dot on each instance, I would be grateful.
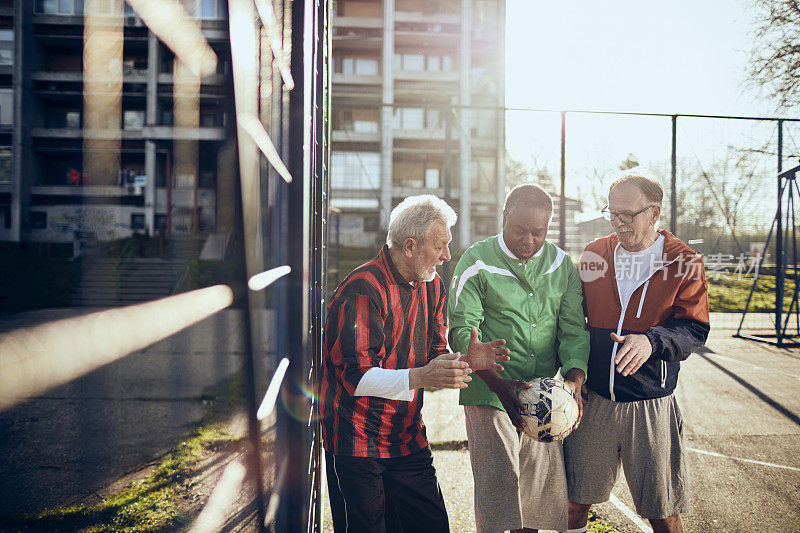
(98, 222)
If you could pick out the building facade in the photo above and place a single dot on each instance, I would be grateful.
(417, 99)
(146, 167)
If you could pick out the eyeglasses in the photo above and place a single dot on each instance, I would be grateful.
(625, 218)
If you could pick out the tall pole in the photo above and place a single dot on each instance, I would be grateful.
(562, 214)
(448, 131)
(779, 251)
(673, 198)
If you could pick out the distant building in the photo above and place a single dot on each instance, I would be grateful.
(406, 73)
(46, 193)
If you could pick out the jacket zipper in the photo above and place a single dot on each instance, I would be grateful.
(638, 315)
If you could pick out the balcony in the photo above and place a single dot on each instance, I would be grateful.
(356, 79)
(425, 18)
(356, 136)
(357, 22)
(133, 76)
(436, 76)
(166, 133)
(432, 134)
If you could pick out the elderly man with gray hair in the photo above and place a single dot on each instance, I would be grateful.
(646, 302)
(384, 342)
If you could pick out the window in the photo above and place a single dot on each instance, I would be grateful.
(206, 9)
(432, 178)
(413, 62)
(355, 170)
(63, 119)
(348, 65)
(132, 120)
(433, 118)
(208, 120)
(409, 118)
(360, 66)
(447, 64)
(371, 224)
(75, 7)
(137, 221)
(420, 62)
(366, 67)
(47, 6)
(167, 118)
(72, 119)
(6, 107)
(6, 47)
(484, 123)
(38, 219)
(6, 164)
(482, 175)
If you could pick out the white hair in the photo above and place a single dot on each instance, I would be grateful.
(414, 217)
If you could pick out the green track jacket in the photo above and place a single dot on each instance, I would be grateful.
(535, 305)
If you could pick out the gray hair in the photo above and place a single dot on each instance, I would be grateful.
(414, 217)
(646, 180)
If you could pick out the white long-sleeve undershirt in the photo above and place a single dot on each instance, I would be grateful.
(385, 383)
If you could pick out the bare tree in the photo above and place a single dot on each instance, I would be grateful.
(775, 61)
(726, 188)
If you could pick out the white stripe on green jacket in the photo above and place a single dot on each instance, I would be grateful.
(535, 305)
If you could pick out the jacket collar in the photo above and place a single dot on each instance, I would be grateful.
(673, 246)
(510, 254)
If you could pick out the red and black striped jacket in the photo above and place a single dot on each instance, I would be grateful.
(378, 319)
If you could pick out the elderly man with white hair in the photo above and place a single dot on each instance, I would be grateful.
(384, 341)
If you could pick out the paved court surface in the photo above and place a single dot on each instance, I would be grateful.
(64, 445)
(740, 399)
(741, 405)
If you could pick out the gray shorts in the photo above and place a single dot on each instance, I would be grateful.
(646, 436)
(519, 482)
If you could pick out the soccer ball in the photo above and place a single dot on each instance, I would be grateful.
(549, 409)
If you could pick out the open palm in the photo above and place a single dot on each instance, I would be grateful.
(485, 355)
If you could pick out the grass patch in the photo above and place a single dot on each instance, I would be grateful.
(598, 525)
(149, 505)
(728, 294)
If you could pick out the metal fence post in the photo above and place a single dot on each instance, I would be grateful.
(673, 193)
(562, 215)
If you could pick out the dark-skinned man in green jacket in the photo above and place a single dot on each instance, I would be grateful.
(519, 287)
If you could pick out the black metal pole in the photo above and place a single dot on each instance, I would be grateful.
(254, 457)
(562, 215)
(292, 443)
(779, 252)
(448, 130)
(673, 198)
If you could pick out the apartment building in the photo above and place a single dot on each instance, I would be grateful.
(418, 88)
(47, 192)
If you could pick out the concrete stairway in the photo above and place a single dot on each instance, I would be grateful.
(108, 281)
(104, 282)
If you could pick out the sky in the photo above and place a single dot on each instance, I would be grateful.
(680, 56)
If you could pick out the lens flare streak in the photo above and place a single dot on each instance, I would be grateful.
(267, 16)
(170, 22)
(268, 403)
(212, 517)
(275, 497)
(265, 279)
(255, 129)
(33, 360)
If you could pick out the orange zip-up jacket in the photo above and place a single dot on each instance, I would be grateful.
(670, 308)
